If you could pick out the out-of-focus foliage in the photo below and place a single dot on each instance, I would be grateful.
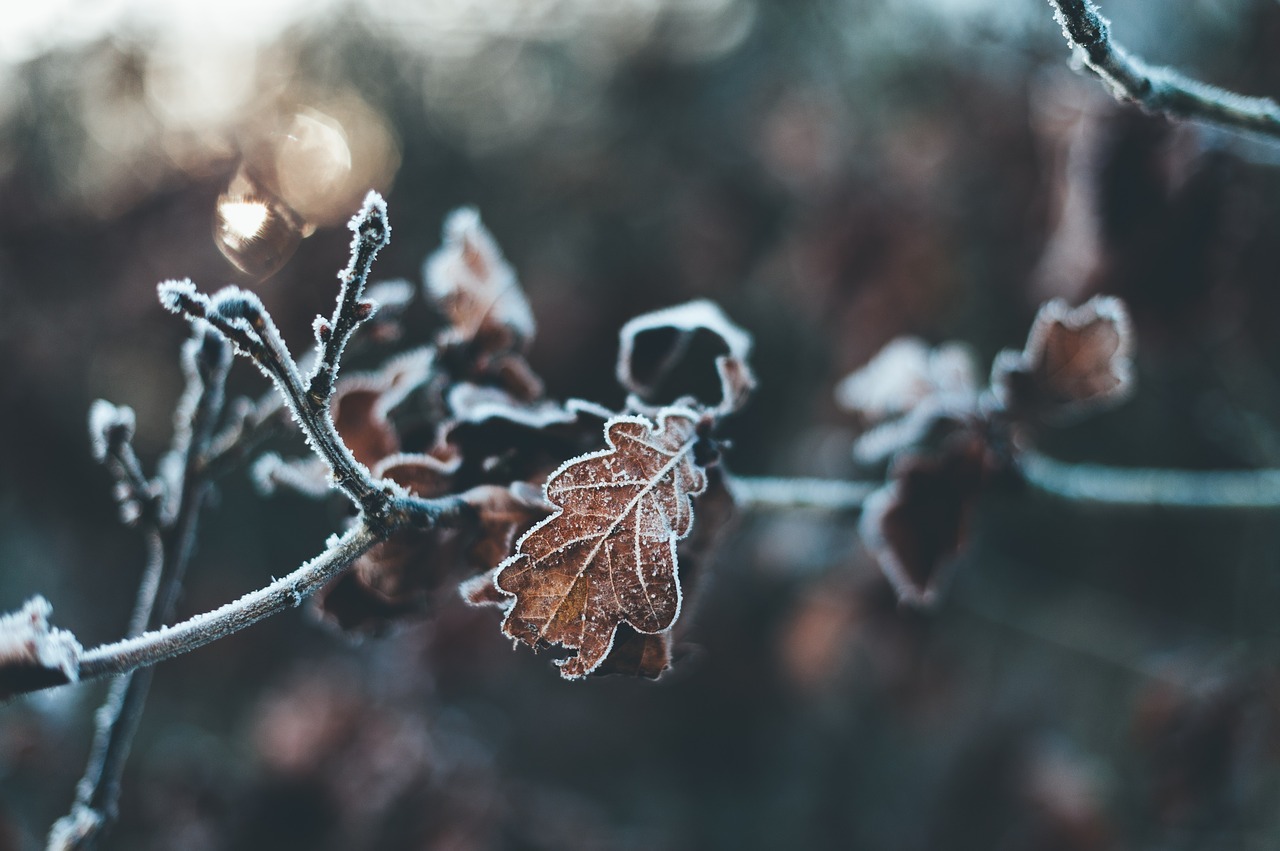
(833, 174)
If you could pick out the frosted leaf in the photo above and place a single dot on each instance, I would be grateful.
(399, 576)
(480, 590)
(34, 655)
(608, 554)
(307, 476)
(392, 299)
(109, 425)
(636, 654)
(1076, 361)
(425, 475)
(917, 523)
(904, 374)
(472, 403)
(362, 402)
(476, 288)
(653, 347)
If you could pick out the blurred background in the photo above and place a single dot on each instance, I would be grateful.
(834, 173)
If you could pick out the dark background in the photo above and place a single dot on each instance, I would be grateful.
(833, 173)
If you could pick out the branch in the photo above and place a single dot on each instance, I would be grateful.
(1156, 88)
(371, 233)
(240, 316)
(170, 540)
(285, 593)
(822, 494)
(1139, 487)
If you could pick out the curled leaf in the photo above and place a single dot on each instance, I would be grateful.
(477, 289)
(502, 439)
(608, 554)
(1076, 361)
(905, 374)
(653, 345)
(34, 655)
(916, 524)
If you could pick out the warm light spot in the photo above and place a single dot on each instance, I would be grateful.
(246, 218)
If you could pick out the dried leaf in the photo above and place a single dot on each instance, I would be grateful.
(653, 345)
(34, 655)
(905, 374)
(480, 590)
(362, 402)
(393, 299)
(361, 405)
(477, 289)
(1076, 361)
(393, 579)
(636, 654)
(399, 576)
(608, 554)
(916, 523)
(502, 439)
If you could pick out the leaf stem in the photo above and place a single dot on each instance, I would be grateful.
(1156, 88)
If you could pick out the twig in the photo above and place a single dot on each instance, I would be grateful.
(285, 593)
(822, 494)
(371, 231)
(240, 316)
(1139, 487)
(1157, 88)
(170, 540)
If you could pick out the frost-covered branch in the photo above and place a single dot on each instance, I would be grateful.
(285, 593)
(1139, 487)
(241, 317)
(823, 494)
(371, 231)
(170, 536)
(1157, 88)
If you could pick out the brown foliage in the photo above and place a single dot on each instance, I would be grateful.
(608, 555)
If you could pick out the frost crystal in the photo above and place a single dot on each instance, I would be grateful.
(109, 425)
(34, 655)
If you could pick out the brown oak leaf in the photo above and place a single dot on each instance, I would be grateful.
(1075, 361)
(917, 523)
(659, 349)
(607, 556)
(476, 288)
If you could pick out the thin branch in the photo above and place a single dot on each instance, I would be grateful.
(170, 541)
(285, 593)
(371, 231)
(1157, 88)
(821, 494)
(1139, 487)
(240, 316)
